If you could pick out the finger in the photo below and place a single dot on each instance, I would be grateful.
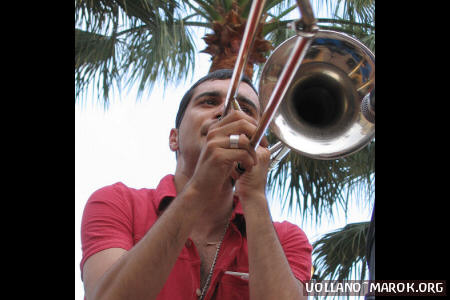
(240, 169)
(231, 118)
(235, 115)
(264, 142)
(240, 126)
(263, 155)
(236, 173)
(232, 141)
(219, 149)
(235, 156)
(244, 143)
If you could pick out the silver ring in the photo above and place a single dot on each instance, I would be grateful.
(234, 141)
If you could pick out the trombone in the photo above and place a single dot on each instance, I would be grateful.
(315, 89)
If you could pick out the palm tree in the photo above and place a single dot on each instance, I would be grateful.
(148, 41)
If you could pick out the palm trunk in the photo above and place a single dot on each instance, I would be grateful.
(224, 44)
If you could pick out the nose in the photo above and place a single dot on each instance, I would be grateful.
(219, 112)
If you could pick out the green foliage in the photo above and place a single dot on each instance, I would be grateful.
(149, 41)
(318, 186)
(144, 41)
(94, 54)
(338, 254)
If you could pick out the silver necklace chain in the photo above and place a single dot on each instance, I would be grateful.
(208, 279)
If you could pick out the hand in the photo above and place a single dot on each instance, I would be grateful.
(252, 183)
(216, 166)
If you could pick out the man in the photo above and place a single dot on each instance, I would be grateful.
(199, 233)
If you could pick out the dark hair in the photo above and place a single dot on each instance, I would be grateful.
(216, 75)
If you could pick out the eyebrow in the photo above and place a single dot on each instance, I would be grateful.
(240, 98)
(207, 94)
(248, 102)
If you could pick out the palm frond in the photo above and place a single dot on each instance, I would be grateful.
(117, 38)
(245, 6)
(95, 57)
(164, 54)
(354, 17)
(95, 14)
(317, 187)
(278, 7)
(209, 11)
(341, 254)
(99, 15)
(227, 4)
(360, 10)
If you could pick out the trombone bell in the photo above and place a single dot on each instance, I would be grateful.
(320, 115)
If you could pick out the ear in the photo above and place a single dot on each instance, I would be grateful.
(173, 139)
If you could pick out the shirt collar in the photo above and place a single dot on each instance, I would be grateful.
(165, 192)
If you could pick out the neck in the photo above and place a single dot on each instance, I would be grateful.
(212, 222)
(211, 225)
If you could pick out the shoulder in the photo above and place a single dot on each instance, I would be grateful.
(287, 228)
(297, 249)
(120, 194)
(118, 188)
(118, 202)
(113, 217)
(289, 233)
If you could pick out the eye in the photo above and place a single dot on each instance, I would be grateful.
(209, 101)
(249, 111)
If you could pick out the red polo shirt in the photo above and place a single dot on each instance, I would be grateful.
(117, 216)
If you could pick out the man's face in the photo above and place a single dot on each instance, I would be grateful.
(203, 110)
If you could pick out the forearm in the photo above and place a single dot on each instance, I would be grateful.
(270, 274)
(142, 272)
